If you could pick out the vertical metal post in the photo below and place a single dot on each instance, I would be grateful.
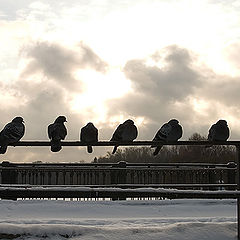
(238, 188)
(9, 175)
(122, 172)
(122, 175)
(120, 178)
(212, 177)
(231, 174)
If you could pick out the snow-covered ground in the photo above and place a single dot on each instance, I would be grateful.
(137, 220)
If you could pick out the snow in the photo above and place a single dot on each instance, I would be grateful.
(133, 220)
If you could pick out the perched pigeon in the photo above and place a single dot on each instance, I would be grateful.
(218, 132)
(169, 132)
(126, 131)
(57, 132)
(89, 134)
(11, 133)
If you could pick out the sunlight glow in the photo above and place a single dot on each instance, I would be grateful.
(200, 106)
(139, 121)
(98, 88)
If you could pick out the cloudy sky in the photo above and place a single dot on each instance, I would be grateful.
(109, 60)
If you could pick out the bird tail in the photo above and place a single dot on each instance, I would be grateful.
(158, 148)
(56, 145)
(114, 149)
(3, 149)
(156, 140)
(89, 149)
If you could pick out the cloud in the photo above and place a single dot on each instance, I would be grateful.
(171, 84)
(43, 91)
(59, 63)
(231, 52)
(224, 91)
(41, 108)
(90, 59)
(175, 86)
(156, 87)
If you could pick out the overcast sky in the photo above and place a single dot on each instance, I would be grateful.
(109, 60)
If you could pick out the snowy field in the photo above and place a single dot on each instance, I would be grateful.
(138, 220)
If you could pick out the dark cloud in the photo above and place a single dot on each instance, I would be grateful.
(169, 89)
(155, 88)
(90, 59)
(225, 91)
(173, 82)
(59, 63)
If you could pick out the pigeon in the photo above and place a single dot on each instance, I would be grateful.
(169, 132)
(11, 133)
(57, 132)
(218, 132)
(126, 131)
(89, 134)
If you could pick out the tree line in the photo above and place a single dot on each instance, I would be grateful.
(169, 154)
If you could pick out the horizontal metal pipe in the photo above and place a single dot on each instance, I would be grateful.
(115, 193)
(134, 143)
(123, 186)
(103, 166)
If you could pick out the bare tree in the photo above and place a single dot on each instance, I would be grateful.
(197, 154)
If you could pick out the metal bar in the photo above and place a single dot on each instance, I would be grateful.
(238, 187)
(231, 165)
(134, 143)
(119, 193)
(187, 185)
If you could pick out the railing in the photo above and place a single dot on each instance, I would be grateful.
(121, 175)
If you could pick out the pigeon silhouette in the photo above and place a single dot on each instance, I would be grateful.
(89, 134)
(218, 132)
(126, 131)
(57, 132)
(11, 133)
(169, 132)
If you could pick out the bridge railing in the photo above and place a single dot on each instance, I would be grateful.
(119, 173)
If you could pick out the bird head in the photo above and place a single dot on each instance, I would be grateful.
(173, 122)
(222, 122)
(61, 119)
(90, 124)
(129, 122)
(18, 120)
